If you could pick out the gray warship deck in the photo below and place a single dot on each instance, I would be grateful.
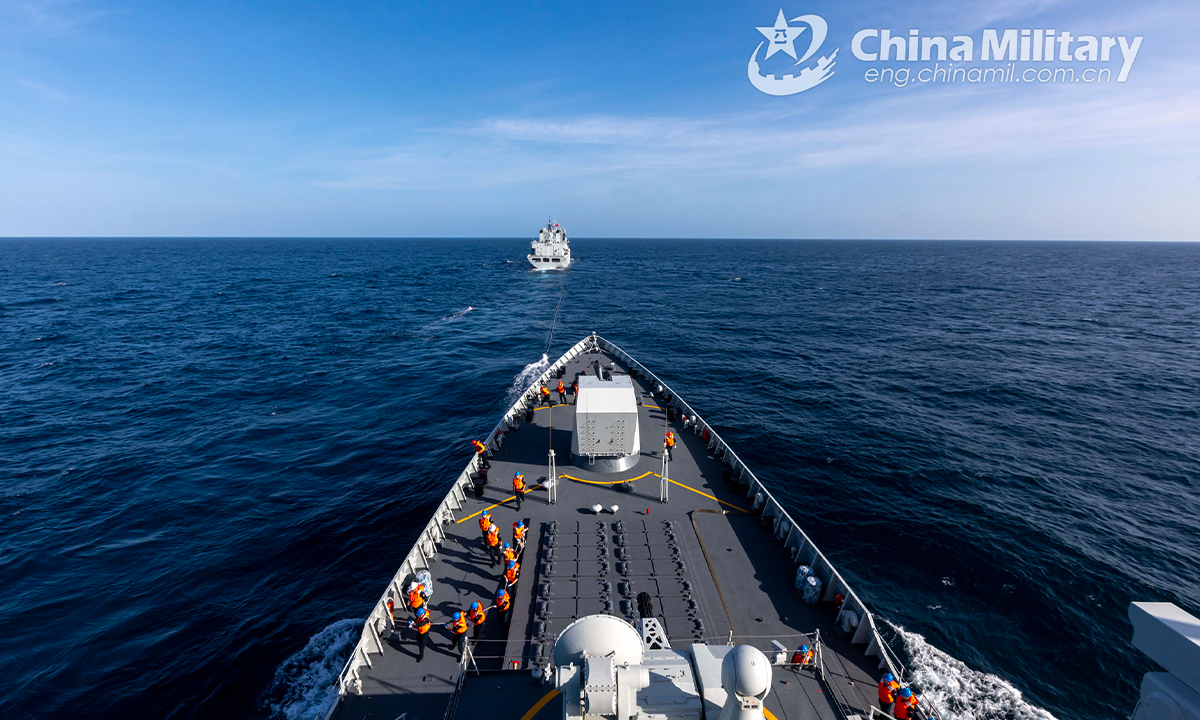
(713, 570)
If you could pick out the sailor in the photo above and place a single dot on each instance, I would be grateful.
(421, 623)
(669, 444)
(416, 598)
(476, 614)
(887, 693)
(493, 544)
(511, 572)
(481, 451)
(575, 388)
(519, 531)
(545, 396)
(519, 488)
(503, 604)
(803, 656)
(562, 393)
(485, 522)
(510, 553)
(906, 705)
(458, 627)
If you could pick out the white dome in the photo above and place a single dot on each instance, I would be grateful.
(599, 635)
(746, 671)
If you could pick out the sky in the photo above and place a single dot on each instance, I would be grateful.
(618, 119)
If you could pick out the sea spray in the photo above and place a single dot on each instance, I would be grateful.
(959, 692)
(305, 684)
(526, 378)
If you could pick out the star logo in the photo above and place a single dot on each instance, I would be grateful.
(782, 36)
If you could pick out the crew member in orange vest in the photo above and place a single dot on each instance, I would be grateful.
(503, 604)
(519, 489)
(493, 544)
(519, 530)
(421, 623)
(669, 444)
(887, 693)
(906, 706)
(510, 553)
(575, 389)
(803, 656)
(511, 572)
(545, 396)
(416, 598)
(476, 614)
(485, 522)
(562, 393)
(481, 451)
(458, 626)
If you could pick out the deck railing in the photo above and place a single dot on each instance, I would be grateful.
(854, 615)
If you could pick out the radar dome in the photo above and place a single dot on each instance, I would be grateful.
(599, 635)
(746, 671)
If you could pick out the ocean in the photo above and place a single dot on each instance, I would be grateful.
(214, 453)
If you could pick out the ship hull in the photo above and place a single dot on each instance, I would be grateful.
(547, 263)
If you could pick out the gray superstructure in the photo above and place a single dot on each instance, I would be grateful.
(688, 568)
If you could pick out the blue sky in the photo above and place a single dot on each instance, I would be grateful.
(480, 119)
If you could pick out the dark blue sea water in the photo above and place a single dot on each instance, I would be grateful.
(214, 453)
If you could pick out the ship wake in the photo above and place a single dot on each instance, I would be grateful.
(525, 379)
(305, 684)
(959, 692)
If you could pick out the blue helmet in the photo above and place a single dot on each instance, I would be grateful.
(421, 612)
(512, 563)
(521, 523)
(803, 648)
(888, 677)
(906, 693)
(500, 593)
(475, 605)
(457, 616)
(506, 546)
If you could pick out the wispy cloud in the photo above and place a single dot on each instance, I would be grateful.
(46, 91)
(888, 133)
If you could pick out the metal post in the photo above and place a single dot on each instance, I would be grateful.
(552, 480)
(665, 475)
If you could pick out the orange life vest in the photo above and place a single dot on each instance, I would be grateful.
(887, 691)
(511, 574)
(519, 483)
(484, 523)
(480, 448)
(493, 536)
(415, 598)
(459, 626)
(904, 708)
(477, 616)
(670, 440)
(422, 624)
(545, 392)
(799, 658)
(561, 388)
(510, 554)
(519, 533)
(504, 601)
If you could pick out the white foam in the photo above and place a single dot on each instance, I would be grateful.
(525, 379)
(959, 692)
(304, 685)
